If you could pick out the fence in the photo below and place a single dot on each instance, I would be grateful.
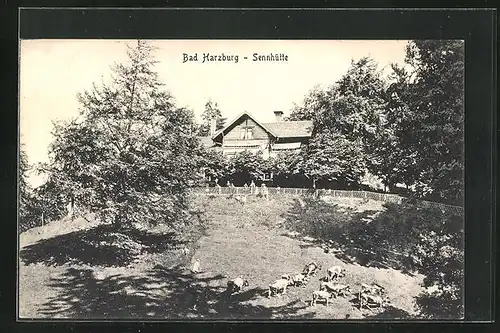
(274, 191)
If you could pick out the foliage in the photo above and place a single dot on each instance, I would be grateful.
(216, 166)
(346, 118)
(441, 258)
(132, 154)
(333, 158)
(246, 166)
(436, 104)
(26, 216)
(407, 127)
(211, 110)
(404, 236)
(312, 105)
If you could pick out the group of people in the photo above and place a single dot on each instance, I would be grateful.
(254, 189)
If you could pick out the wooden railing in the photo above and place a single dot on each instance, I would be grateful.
(276, 191)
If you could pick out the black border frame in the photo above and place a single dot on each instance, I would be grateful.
(477, 27)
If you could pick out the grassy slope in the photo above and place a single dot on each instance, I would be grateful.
(241, 240)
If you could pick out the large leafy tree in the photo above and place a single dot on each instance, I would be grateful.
(216, 166)
(211, 111)
(435, 99)
(332, 158)
(356, 102)
(132, 153)
(347, 118)
(246, 166)
(316, 100)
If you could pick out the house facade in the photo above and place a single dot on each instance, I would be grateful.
(247, 133)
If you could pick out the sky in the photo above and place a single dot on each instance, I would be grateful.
(52, 72)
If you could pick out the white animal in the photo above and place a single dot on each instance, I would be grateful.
(236, 284)
(278, 285)
(320, 295)
(334, 272)
(311, 269)
(299, 279)
(373, 289)
(241, 199)
(372, 301)
(335, 288)
(196, 266)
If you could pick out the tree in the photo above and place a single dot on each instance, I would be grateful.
(216, 166)
(351, 111)
(316, 100)
(436, 99)
(132, 153)
(25, 192)
(332, 158)
(246, 166)
(211, 110)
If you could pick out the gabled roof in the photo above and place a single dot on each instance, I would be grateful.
(222, 130)
(291, 129)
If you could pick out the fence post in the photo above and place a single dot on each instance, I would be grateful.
(42, 219)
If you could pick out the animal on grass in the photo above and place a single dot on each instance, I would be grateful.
(320, 295)
(241, 199)
(335, 288)
(335, 272)
(196, 266)
(236, 284)
(300, 280)
(372, 301)
(279, 285)
(311, 269)
(372, 289)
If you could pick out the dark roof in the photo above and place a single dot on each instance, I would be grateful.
(291, 129)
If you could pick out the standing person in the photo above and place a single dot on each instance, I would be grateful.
(265, 191)
(252, 187)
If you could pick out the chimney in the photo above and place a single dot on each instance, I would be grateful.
(213, 125)
(278, 115)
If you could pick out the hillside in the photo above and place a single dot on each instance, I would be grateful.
(86, 270)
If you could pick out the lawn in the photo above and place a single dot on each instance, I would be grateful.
(81, 269)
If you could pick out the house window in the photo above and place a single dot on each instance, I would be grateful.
(246, 133)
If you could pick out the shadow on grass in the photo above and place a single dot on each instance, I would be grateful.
(370, 238)
(103, 245)
(160, 293)
(387, 312)
(390, 313)
(441, 306)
